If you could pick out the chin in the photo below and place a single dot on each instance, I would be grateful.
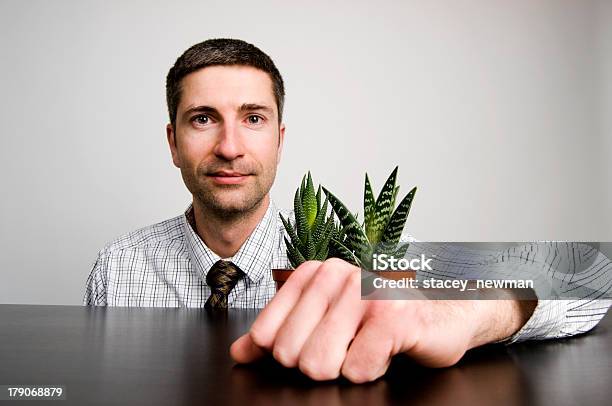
(232, 203)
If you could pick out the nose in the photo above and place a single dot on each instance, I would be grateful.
(228, 146)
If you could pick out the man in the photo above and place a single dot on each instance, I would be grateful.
(225, 101)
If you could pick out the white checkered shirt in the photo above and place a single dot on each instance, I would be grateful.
(165, 265)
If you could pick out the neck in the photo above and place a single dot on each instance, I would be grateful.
(223, 235)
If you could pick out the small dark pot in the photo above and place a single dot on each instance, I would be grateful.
(280, 276)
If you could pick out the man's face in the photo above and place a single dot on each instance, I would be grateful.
(227, 141)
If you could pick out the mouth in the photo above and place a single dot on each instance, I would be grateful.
(228, 177)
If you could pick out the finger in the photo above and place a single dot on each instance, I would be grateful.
(370, 352)
(324, 286)
(324, 352)
(264, 328)
(244, 350)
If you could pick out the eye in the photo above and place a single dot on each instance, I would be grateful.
(201, 119)
(253, 119)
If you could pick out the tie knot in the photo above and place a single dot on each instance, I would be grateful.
(223, 276)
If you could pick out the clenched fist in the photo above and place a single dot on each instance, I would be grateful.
(319, 323)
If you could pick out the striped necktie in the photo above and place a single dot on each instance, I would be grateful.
(221, 278)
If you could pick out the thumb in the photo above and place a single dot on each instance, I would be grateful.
(244, 350)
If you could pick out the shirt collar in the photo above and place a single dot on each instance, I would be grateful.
(254, 257)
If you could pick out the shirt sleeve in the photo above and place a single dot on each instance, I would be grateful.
(555, 264)
(564, 317)
(95, 287)
(561, 318)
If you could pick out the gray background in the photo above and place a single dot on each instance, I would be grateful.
(498, 110)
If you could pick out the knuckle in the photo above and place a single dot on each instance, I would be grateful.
(309, 264)
(336, 262)
(323, 275)
(357, 374)
(316, 371)
(333, 269)
(259, 337)
(324, 278)
(339, 265)
(306, 269)
(283, 356)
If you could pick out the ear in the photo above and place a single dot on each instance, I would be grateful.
(281, 139)
(171, 135)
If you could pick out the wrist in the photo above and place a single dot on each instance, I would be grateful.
(500, 319)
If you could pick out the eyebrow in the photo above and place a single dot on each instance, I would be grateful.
(245, 107)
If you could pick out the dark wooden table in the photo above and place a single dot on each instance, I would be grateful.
(132, 356)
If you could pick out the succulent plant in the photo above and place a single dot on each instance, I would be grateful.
(311, 236)
(382, 227)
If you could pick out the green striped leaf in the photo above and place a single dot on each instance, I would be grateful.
(395, 193)
(294, 256)
(295, 240)
(300, 219)
(326, 234)
(309, 202)
(339, 250)
(322, 255)
(355, 235)
(401, 251)
(302, 187)
(365, 258)
(369, 208)
(384, 248)
(310, 248)
(320, 223)
(384, 208)
(339, 232)
(323, 245)
(394, 229)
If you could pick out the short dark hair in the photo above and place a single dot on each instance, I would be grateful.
(221, 51)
